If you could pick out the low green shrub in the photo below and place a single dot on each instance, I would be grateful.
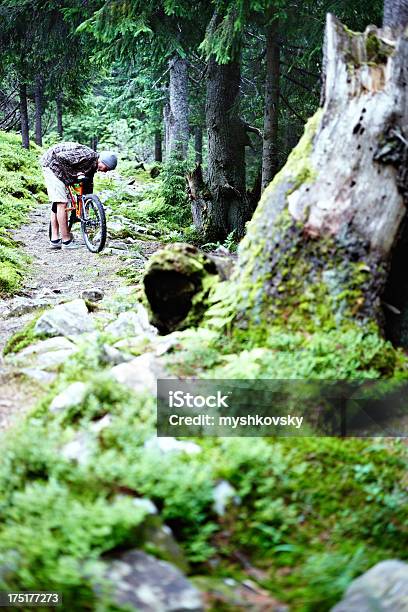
(21, 186)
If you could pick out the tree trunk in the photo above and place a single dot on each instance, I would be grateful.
(166, 120)
(270, 137)
(158, 154)
(94, 143)
(178, 115)
(395, 14)
(25, 128)
(60, 128)
(319, 248)
(38, 99)
(227, 138)
(198, 144)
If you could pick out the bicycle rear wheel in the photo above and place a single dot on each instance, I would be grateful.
(93, 223)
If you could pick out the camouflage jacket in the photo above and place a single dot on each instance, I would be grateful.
(66, 159)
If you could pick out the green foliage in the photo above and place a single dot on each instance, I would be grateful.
(162, 205)
(340, 354)
(229, 243)
(23, 337)
(21, 186)
(58, 516)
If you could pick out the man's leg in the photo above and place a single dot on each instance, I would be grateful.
(54, 224)
(62, 221)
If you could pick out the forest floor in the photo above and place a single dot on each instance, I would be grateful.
(55, 276)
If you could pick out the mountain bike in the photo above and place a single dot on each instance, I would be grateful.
(86, 209)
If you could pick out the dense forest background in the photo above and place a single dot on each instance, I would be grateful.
(151, 78)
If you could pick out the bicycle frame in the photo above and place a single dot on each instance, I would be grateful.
(76, 199)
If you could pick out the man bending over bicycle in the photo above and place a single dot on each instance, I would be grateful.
(61, 165)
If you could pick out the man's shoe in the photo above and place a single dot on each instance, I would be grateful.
(55, 244)
(70, 245)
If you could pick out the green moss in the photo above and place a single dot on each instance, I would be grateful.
(21, 186)
(377, 51)
(351, 33)
(194, 276)
(10, 278)
(23, 337)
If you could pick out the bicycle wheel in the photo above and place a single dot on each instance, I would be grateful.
(93, 223)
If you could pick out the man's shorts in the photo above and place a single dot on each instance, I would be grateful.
(55, 187)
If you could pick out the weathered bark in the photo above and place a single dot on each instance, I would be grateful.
(270, 136)
(166, 120)
(178, 115)
(254, 194)
(319, 247)
(38, 100)
(158, 154)
(198, 144)
(200, 198)
(227, 138)
(60, 128)
(25, 128)
(395, 14)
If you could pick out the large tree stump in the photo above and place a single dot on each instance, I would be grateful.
(318, 249)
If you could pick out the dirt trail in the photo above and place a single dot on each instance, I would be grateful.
(55, 276)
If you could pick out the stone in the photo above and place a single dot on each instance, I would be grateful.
(145, 504)
(68, 319)
(21, 307)
(229, 594)
(118, 245)
(80, 449)
(40, 376)
(223, 493)
(139, 374)
(167, 444)
(101, 424)
(164, 344)
(383, 587)
(116, 229)
(131, 323)
(136, 346)
(146, 584)
(45, 354)
(45, 293)
(93, 295)
(72, 396)
(114, 356)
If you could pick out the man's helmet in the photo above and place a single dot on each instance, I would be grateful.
(108, 158)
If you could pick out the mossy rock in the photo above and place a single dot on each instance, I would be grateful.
(177, 282)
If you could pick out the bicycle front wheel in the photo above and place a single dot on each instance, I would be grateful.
(93, 223)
